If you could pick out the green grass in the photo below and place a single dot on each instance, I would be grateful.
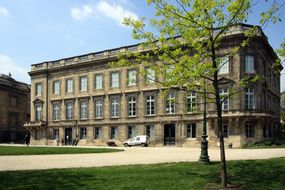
(22, 150)
(257, 175)
(267, 144)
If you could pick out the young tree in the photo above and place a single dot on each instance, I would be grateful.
(184, 47)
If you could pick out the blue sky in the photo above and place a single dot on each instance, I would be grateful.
(34, 31)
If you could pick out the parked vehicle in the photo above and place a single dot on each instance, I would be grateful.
(142, 140)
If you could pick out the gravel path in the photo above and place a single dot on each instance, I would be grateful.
(132, 155)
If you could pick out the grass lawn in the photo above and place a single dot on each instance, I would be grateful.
(256, 175)
(23, 150)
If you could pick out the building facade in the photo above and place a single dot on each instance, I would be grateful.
(83, 96)
(14, 109)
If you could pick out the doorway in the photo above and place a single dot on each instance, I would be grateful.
(68, 136)
(169, 134)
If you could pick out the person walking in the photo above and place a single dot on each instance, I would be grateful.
(27, 139)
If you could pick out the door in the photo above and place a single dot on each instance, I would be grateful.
(169, 134)
(68, 136)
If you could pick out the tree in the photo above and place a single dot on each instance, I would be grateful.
(185, 47)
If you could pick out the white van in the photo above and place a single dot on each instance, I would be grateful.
(141, 140)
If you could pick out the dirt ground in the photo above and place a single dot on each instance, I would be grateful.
(131, 155)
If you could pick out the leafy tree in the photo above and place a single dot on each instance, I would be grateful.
(184, 47)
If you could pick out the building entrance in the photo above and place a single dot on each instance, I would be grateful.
(169, 134)
(68, 136)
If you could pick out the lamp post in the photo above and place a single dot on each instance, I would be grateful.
(204, 157)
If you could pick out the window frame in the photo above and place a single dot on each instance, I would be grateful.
(96, 106)
(67, 107)
(85, 111)
(132, 77)
(249, 98)
(69, 85)
(101, 86)
(83, 133)
(132, 106)
(56, 111)
(115, 107)
(39, 88)
(83, 84)
(150, 105)
(191, 102)
(191, 130)
(112, 81)
(56, 87)
(249, 64)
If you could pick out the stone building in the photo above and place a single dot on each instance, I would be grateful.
(14, 109)
(83, 96)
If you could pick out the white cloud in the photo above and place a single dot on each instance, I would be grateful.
(82, 13)
(4, 12)
(114, 11)
(9, 66)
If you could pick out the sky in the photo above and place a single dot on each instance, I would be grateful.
(35, 31)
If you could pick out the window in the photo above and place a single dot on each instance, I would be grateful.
(99, 108)
(191, 102)
(115, 107)
(38, 110)
(224, 99)
(249, 129)
(169, 73)
(69, 110)
(37, 134)
(97, 133)
(249, 98)
(150, 108)
(249, 64)
(132, 77)
(132, 106)
(114, 79)
(14, 101)
(83, 109)
(149, 75)
(149, 131)
(114, 132)
(170, 104)
(99, 81)
(131, 131)
(69, 85)
(264, 131)
(191, 130)
(226, 129)
(83, 83)
(38, 89)
(55, 111)
(223, 65)
(56, 87)
(83, 133)
(55, 133)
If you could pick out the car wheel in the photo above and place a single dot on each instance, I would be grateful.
(125, 145)
(143, 145)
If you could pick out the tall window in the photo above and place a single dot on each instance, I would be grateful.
(69, 85)
(97, 133)
(170, 104)
(224, 99)
(83, 83)
(223, 65)
(55, 133)
(99, 81)
(149, 75)
(249, 98)
(191, 130)
(249, 64)
(132, 77)
(83, 133)
(38, 89)
(114, 132)
(191, 102)
(115, 107)
(169, 73)
(114, 79)
(55, 111)
(56, 87)
(149, 131)
(226, 129)
(150, 105)
(249, 129)
(37, 134)
(38, 110)
(69, 110)
(99, 108)
(83, 110)
(132, 106)
(131, 131)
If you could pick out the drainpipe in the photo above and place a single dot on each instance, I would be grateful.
(47, 104)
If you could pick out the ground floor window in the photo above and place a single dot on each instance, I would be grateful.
(83, 133)
(37, 135)
(226, 129)
(97, 133)
(191, 130)
(249, 129)
(131, 131)
(55, 133)
(149, 129)
(114, 132)
(264, 131)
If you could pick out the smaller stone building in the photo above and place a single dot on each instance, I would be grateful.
(14, 109)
